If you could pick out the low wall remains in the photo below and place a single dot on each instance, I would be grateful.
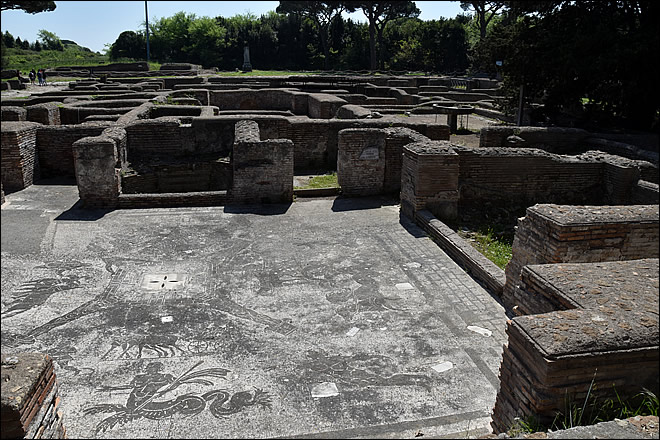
(577, 234)
(13, 113)
(552, 139)
(429, 179)
(600, 339)
(30, 398)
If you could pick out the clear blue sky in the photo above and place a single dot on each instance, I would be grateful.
(94, 24)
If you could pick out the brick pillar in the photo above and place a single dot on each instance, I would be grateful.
(20, 161)
(262, 170)
(97, 166)
(361, 161)
(429, 179)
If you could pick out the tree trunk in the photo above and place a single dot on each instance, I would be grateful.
(326, 49)
(372, 45)
(381, 61)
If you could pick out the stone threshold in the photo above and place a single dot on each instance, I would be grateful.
(172, 200)
(316, 192)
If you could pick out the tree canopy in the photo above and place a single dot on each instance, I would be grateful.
(591, 59)
(29, 6)
(322, 14)
(379, 14)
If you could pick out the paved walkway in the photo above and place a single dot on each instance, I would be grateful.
(327, 318)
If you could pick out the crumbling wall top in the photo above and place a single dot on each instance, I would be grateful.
(568, 215)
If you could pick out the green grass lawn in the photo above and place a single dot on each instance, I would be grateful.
(267, 73)
(324, 181)
(25, 60)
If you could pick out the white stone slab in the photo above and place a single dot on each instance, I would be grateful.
(325, 389)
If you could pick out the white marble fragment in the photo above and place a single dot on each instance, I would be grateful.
(443, 366)
(482, 331)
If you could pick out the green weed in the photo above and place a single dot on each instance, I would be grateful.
(494, 244)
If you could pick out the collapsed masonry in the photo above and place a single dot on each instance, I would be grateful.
(590, 230)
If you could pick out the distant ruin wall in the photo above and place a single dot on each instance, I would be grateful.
(47, 113)
(20, 161)
(13, 113)
(578, 234)
(272, 99)
(551, 139)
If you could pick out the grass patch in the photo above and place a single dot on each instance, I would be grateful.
(592, 411)
(267, 73)
(492, 241)
(324, 181)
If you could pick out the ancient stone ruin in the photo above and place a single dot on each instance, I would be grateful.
(582, 285)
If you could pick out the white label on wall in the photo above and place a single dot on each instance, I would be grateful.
(369, 153)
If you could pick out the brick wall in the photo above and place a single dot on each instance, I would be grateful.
(54, 143)
(323, 106)
(77, 115)
(172, 200)
(179, 178)
(161, 137)
(262, 170)
(20, 161)
(395, 139)
(271, 99)
(578, 234)
(175, 110)
(645, 193)
(517, 176)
